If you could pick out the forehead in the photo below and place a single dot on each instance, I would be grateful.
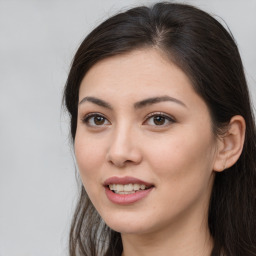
(138, 74)
(144, 67)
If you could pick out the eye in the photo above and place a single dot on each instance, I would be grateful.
(159, 119)
(95, 120)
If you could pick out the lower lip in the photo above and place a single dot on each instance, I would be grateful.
(126, 198)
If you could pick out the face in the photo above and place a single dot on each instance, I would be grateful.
(144, 144)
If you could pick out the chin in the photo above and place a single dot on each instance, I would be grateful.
(126, 229)
(129, 225)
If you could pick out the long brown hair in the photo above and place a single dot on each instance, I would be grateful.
(207, 53)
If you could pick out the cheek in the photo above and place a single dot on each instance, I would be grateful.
(183, 170)
(89, 156)
(183, 160)
(89, 161)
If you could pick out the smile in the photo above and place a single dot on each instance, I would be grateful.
(127, 189)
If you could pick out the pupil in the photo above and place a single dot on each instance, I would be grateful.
(99, 120)
(159, 120)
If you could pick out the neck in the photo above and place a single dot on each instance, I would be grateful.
(187, 240)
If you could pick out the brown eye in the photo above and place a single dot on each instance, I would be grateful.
(99, 120)
(95, 120)
(159, 120)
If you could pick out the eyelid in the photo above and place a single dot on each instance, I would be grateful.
(170, 118)
(86, 118)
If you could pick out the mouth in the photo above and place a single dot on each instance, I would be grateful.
(127, 188)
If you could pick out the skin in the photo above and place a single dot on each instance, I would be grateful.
(177, 156)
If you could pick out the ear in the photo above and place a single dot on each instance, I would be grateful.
(230, 145)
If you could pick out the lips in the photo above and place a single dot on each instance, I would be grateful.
(126, 190)
(125, 180)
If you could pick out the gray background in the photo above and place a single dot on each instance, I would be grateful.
(37, 175)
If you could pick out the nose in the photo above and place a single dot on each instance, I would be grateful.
(124, 148)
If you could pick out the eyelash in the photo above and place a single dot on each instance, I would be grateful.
(167, 118)
(88, 117)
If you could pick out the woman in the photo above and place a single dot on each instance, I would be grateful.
(164, 137)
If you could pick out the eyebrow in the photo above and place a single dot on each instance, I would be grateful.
(96, 101)
(155, 100)
(137, 105)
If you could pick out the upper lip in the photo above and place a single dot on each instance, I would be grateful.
(125, 180)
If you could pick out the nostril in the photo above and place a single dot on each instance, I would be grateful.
(121, 155)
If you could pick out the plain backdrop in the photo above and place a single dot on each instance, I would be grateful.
(38, 39)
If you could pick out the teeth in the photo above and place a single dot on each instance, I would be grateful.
(142, 186)
(125, 192)
(136, 186)
(127, 188)
(119, 187)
